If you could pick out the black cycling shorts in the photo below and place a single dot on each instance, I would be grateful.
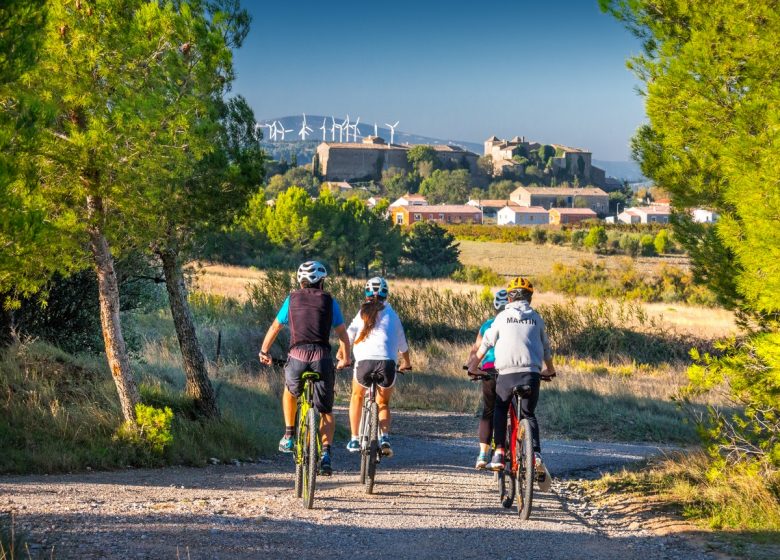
(323, 389)
(380, 371)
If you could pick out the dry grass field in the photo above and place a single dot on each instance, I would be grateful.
(529, 259)
(232, 281)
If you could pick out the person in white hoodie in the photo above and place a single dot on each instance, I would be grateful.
(377, 338)
(522, 349)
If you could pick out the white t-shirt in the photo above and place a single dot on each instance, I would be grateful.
(385, 340)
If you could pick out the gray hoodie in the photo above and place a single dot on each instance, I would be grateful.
(519, 338)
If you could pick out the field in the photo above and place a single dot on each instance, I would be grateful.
(529, 259)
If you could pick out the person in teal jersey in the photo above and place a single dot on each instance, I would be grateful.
(485, 430)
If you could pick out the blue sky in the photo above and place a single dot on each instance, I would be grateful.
(551, 71)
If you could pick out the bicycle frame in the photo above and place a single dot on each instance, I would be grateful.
(305, 403)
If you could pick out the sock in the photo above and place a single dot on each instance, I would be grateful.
(289, 431)
(326, 449)
(355, 438)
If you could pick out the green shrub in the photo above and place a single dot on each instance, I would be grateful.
(647, 245)
(629, 244)
(661, 242)
(154, 426)
(577, 238)
(557, 238)
(538, 235)
(477, 275)
(596, 239)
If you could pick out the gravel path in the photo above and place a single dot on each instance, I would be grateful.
(429, 503)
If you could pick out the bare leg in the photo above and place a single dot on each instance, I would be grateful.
(355, 404)
(289, 407)
(327, 428)
(383, 400)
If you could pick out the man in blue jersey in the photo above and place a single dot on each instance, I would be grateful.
(310, 313)
(487, 367)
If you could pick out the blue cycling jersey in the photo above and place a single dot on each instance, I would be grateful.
(490, 356)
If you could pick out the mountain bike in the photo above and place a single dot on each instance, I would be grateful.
(517, 479)
(370, 455)
(308, 448)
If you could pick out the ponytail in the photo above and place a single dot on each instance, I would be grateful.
(369, 311)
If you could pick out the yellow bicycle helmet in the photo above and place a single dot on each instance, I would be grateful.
(520, 283)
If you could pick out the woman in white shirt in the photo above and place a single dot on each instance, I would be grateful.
(377, 338)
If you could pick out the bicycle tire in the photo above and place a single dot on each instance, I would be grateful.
(299, 454)
(525, 469)
(373, 448)
(310, 464)
(364, 418)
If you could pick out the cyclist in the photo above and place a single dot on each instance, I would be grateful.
(487, 367)
(377, 338)
(311, 313)
(521, 349)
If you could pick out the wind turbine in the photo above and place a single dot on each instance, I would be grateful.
(272, 131)
(305, 129)
(282, 130)
(333, 129)
(392, 130)
(345, 127)
(356, 130)
(323, 128)
(376, 130)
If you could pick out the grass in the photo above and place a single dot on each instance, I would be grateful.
(60, 414)
(529, 259)
(741, 503)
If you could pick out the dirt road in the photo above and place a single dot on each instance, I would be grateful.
(429, 503)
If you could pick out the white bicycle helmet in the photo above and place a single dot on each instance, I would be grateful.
(377, 286)
(500, 300)
(312, 272)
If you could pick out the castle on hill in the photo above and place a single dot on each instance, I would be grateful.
(572, 161)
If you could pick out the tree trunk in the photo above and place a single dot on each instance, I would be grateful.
(108, 290)
(198, 385)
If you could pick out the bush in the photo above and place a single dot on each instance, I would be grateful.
(477, 275)
(596, 240)
(577, 238)
(629, 244)
(557, 238)
(647, 245)
(538, 235)
(430, 247)
(661, 242)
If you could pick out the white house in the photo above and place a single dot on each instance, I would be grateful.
(514, 214)
(704, 216)
(410, 200)
(656, 214)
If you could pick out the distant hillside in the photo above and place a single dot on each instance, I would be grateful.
(623, 170)
(315, 122)
(304, 150)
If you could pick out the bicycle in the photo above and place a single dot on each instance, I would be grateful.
(308, 447)
(518, 466)
(369, 435)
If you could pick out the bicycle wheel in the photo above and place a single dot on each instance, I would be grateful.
(373, 447)
(365, 416)
(525, 469)
(311, 456)
(298, 455)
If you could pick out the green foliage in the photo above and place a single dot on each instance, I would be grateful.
(477, 275)
(545, 153)
(293, 177)
(446, 187)
(596, 240)
(578, 238)
(431, 250)
(593, 278)
(154, 428)
(661, 242)
(630, 245)
(647, 245)
(539, 235)
(421, 153)
(500, 190)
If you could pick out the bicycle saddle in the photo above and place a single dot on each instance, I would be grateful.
(313, 375)
(522, 391)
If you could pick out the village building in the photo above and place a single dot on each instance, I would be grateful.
(571, 215)
(350, 161)
(410, 200)
(442, 214)
(552, 197)
(704, 216)
(574, 161)
(655, 214)
(372, 201)
(490, 208)
(515, 215)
